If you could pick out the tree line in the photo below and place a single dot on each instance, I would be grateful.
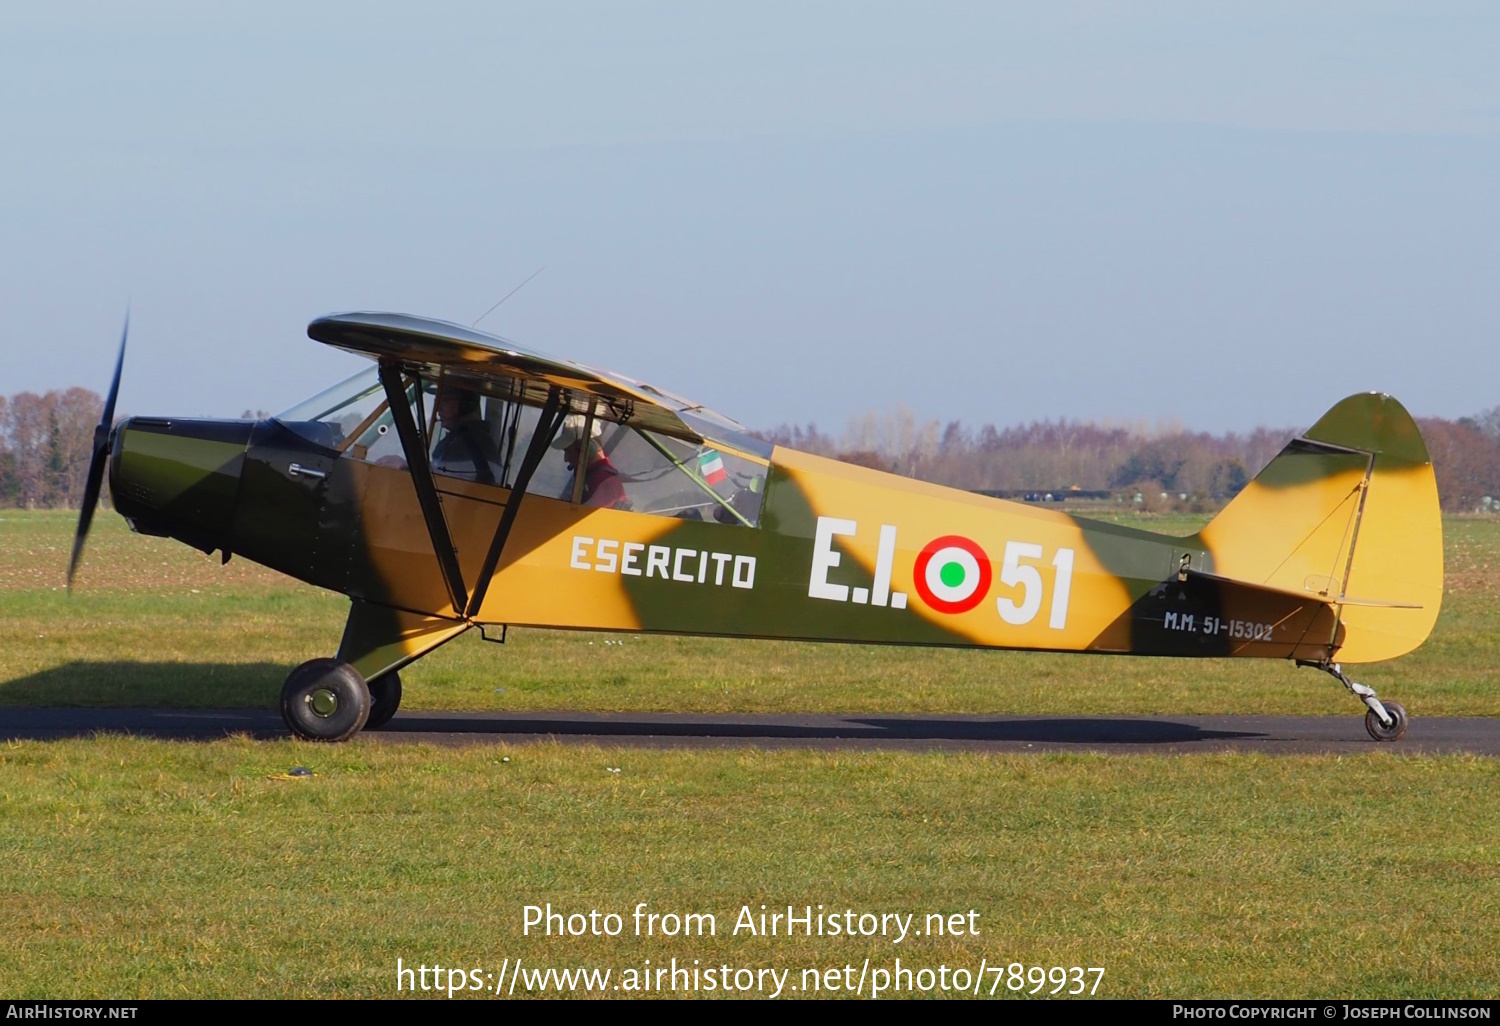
(46, 441)
(1158, 467)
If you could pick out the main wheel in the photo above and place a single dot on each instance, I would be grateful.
(385, 694)
(1379, 731)
(325, 700)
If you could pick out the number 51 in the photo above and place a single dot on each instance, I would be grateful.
(1029, 579)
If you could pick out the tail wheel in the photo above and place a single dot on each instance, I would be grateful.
(385, 694)
(325, 700)
(1397, 729)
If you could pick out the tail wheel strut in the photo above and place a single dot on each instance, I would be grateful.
(1385, 721)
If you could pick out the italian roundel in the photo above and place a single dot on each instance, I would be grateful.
(952, 574)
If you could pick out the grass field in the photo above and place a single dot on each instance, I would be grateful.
(138, 868)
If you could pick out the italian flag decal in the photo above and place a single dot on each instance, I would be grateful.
(711, 466)
(952, 574)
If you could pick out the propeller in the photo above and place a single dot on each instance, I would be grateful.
(96, 463)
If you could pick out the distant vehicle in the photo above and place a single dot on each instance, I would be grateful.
(1055, 495)
(464, 481)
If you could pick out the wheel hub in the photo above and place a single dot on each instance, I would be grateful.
(323, 701)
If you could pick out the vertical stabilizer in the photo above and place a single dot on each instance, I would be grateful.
(1347, 512)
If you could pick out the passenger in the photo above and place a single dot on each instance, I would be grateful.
(466, 450)
(745, 502)
(602, 484)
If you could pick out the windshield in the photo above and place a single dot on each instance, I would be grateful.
(329, 417)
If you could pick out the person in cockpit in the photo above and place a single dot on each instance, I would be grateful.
(602, 484)
(466, 449)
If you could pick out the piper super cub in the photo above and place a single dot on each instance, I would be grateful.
(464, 481)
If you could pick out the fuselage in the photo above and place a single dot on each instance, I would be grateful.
(834, 553)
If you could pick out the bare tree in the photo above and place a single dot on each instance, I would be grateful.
(46, 442)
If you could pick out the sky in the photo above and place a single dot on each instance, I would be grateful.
(1223, 216)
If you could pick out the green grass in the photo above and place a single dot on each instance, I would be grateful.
(142, 868)
(156, 624)
(161, 869)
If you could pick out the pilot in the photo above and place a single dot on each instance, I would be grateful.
(602, 484)
(466, 450)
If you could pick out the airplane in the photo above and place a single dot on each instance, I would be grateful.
(464, 481)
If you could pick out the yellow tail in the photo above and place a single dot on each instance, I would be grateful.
(1347, 512)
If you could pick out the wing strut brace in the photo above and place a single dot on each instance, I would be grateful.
(421, 477)
(546, 427)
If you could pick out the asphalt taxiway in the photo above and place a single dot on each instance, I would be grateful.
(918, 731)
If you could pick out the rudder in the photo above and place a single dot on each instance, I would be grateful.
(1348, 512)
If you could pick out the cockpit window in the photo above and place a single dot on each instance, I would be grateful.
(331, 416)
(711, 425)
(483, 438)
(375, 439)
(670, 477)
(719, 428)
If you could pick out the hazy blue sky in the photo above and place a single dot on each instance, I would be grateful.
(791, 212)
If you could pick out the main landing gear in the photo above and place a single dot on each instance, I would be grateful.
(385, 698)
(326, 700)
(1385, 721)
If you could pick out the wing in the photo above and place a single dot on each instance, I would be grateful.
(499, 367)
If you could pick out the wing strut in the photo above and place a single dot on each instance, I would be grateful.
(546, 427)
(421, 477)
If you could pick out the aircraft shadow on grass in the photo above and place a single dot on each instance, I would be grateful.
(210, 700)
(162, 685)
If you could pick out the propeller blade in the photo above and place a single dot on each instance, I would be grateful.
(108, 419)
(96, 462)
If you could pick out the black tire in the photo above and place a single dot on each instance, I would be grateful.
(325, 700)
(385, 698)
(1379, 731)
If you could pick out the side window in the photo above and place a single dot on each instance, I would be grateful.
(375, 439)
(378, 442)
(670, 477)
(466, 440)
(552, 477)
(471, 436)
(484, 438)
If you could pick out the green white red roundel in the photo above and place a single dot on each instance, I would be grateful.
(952, 574)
